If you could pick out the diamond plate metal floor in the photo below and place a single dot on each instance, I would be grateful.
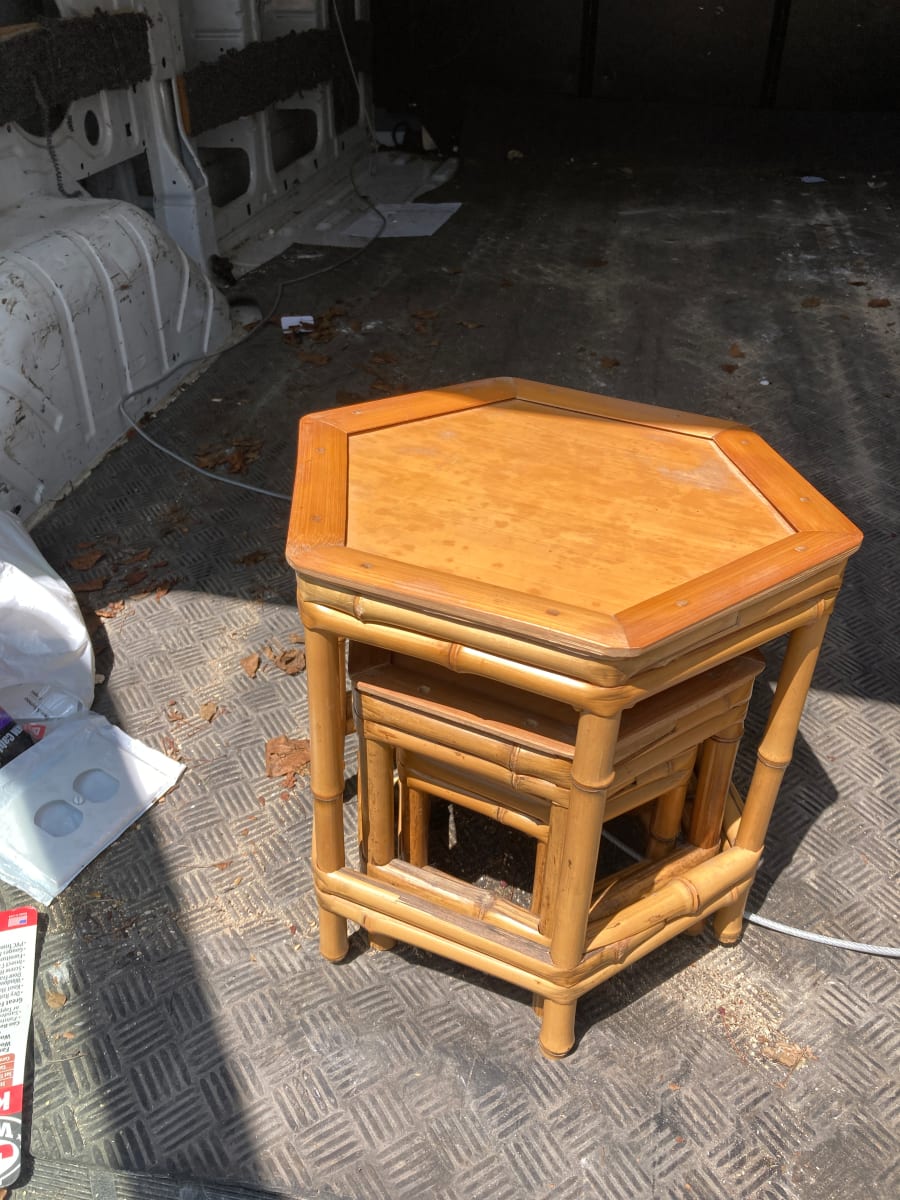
(205, 1050)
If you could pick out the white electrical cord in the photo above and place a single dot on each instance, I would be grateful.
(804, 934)
(263, 321)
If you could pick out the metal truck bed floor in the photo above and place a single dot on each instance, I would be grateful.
(205, 1049)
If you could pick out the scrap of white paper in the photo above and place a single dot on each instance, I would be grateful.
(403, 220)
(303, 324)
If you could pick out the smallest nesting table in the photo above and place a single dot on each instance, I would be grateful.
(576, 547)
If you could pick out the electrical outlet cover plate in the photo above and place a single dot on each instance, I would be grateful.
(70, 796)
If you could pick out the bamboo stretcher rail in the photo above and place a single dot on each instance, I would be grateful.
(401, 914)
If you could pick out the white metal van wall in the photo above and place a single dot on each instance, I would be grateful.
(109, 214)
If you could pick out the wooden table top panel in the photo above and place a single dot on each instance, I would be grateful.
(575, 508)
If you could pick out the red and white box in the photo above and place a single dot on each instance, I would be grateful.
(18, 935)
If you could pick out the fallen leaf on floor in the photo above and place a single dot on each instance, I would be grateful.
(470, 324)
(157, 566)
(810, 302)
(729, 368)
(383, 358)
(292, 661)
(325, 329)
(880, 303)
(261, 801)
(784, 1052)
(298, 639)
(173, 712)
(209, 711)
(164, 587)
(133, 578)
(735, 351)
(224, 865)
(608, 363)
(285, 755)
(857, 282)
(114, 609)
(251, 665)
(68, 1035)
(170, 748)
(251, 559)
(175, 520)
(84, 562)
(56, 999)
(90, 585)
(425, 314)
(314, 360)
(237, 457)
(140, 556)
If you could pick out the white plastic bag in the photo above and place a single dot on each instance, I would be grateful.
(46, 657)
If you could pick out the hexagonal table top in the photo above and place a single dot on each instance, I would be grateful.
(586, 521)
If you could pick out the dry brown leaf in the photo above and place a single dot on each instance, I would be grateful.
(383, 358)
(164, 587)
(251, 665)
(223, 866)
(608, 363)
(470, 324)
(857, 282)
(209, 711)
(314, 360)
(729, 368)
(173, 712)
(292, 661)
(251, 559)
(68, 1035)
(84, 562)
(139, 556)
(90, 585)
(880, 302)
(810, 302)
(297, 638)
(114, 609)
(285, 756)
(56, 999)
(735, 351)
(133, 578)
(170, 748)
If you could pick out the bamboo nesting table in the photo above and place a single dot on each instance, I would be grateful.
(582, 549)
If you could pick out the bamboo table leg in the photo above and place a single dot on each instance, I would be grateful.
(774, 754)
(324, 675)
(572, 886)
